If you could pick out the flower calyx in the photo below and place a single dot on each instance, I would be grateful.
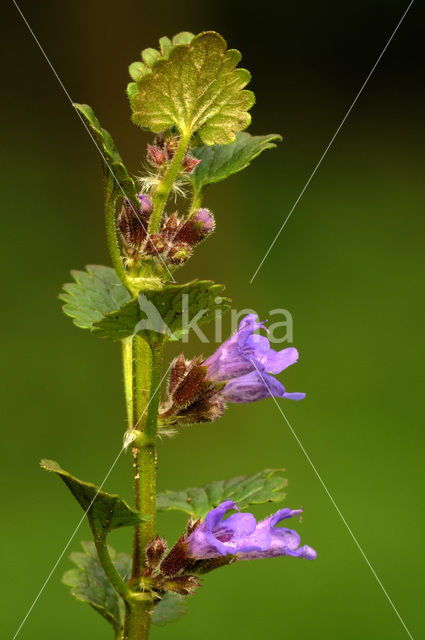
(192, 397)
(172, 245)
(169, 574)
(161, 153)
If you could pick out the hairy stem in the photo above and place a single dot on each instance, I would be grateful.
(142, 389)
(142, 377)
(127, 363)
(111, 232)
(164, 188)
(137, 621)
(105, 560)
(197, 197)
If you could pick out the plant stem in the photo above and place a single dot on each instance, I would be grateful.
(142, 389)
(127, 362)
(197, 197)
(108, 566)
(142, 376)
(163, 190)
(137, 621)
(111, 232)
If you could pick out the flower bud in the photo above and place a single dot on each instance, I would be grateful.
(198, 227)
(133, 223)
(171, 225)
(171, 146)
(190, 163)
(192, 397)
(179, 253)
(178, 372)
(155, 551)
(145, 204)
(184, 585)
(156, 243)
(177, 559)
(156, 155)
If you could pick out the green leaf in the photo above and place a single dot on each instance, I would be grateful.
(89, 583)
(164, 313)
(170, 609)
(221, 161)
(105, 511)
(95, 292)
(197, 89)
(113, 166)
(264, 486)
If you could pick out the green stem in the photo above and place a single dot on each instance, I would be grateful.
(142, 377)
(127, 362)
(164, 188)
(105, 560)
(144, 452)
(142, 385)
(111, 232)
(197, 197)
(137, 621)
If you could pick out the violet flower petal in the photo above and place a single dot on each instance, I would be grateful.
(252, 387)
(229, 361)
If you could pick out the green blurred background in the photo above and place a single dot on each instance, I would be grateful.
(347, 265)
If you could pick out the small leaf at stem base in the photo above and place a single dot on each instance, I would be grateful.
(89, 583)
(170, 609)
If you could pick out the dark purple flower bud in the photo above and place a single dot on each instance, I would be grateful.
(179, 253)
(145, 204)
(242, 536)
(156, 155)
(171, 226)
(133, 222)
(171, 145)
(155, 244)
(177, 559)
(245, 361)
(155, 551)
(192, 398)
(190, 163)
(184, 585)
(197, 228)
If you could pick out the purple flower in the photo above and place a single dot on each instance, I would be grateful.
(145, 203)
(241, 535)
(245, 362)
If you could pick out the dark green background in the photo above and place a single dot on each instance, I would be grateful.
(347, 265)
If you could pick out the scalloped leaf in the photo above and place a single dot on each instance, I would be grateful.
(264, 486)
(221, 161)
(95, 292)
(113, 166)
(197, 89)
(156, 315)
(89, 583)
(170, 609)
(150, 57)
(104, 511)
